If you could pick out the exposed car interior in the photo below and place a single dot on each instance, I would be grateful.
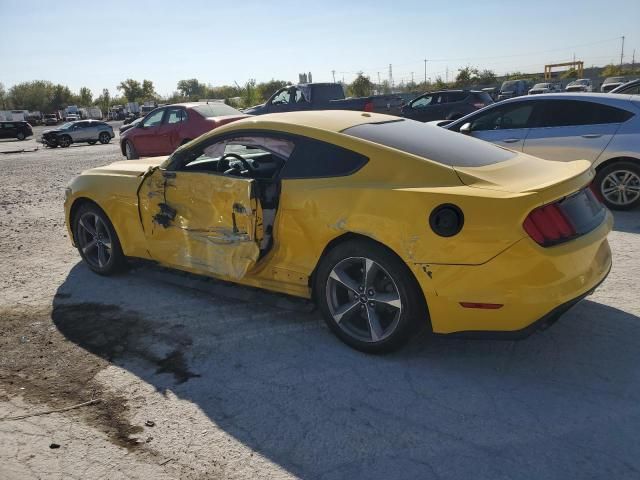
(256, 157)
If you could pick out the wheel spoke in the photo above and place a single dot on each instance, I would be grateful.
(391, 299)
(346, 309)
(89, 228)
(102, 255)
(370, 270)
(341, 277)
(375, 329)
(613, 179)
(89, 246)
(609, 190)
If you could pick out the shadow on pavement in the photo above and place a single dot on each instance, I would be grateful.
(627, 221)
(564, 403)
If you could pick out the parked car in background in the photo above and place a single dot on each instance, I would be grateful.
(126, 126)
(546, 87)
(89, 131)
(18, 130)
(611, 82)
(603, 129)
(71, 117)
(629, 88)
(579, 85)
(445, 104)
(51, 119)
(308, 205)
(166, 128)
(311, 96)
(513, 88)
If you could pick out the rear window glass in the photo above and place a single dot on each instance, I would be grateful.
(431, 142)
(215, 109)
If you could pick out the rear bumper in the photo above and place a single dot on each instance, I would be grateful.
(534, 285)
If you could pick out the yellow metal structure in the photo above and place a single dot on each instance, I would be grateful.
(577, 65)
(211, 224)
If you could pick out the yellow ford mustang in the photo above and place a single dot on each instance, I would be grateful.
(387, 223)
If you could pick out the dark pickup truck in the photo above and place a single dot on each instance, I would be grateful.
(311, 96)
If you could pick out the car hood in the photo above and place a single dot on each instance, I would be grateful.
(129, 168)
(52, 130)
(253, 109)
(527, 174)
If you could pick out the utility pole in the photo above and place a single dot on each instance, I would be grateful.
(633, 60)
(412, 78)
(390, 76)
(622, 51)
(447, 74)
(379, 82)
(333, 72)
(425, 71)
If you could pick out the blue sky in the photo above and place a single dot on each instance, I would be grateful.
(98, 44)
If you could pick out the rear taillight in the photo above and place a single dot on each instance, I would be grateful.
(548, 225)
(368, 107)
(561, 221)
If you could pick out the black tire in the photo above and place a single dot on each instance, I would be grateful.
(402, 321)
(104, 138)
(604, 183)
(52, 144)
(64, 141)
(91, 142)
(130, 151)
(21, 136)
(116, 261)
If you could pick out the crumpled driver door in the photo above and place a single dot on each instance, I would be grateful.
(204, 222)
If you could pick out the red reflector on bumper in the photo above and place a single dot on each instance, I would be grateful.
(486, 306)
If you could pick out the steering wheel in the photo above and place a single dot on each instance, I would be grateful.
(244, 162)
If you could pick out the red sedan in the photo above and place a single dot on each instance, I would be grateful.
(166, 128)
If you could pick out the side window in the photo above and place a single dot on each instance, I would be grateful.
(315, 159)
(299, 96)
(422, 102)
(175, 115)
(632, 91)
(504, 117)
(153, 119)
(564, 113)
(281, 98)
(456, 97)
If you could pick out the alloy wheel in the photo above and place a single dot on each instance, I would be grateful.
(621, 187)
(104, 137)
(94, 240)
(363, 299)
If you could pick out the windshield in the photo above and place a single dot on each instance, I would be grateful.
(431, 142)
(541, 85)
(509, 85)
(614, 80)
(216, 109)
(582, 81)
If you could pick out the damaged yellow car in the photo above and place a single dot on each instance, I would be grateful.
(387, 223)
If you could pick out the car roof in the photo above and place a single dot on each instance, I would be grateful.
(334, 121)
(585, 96)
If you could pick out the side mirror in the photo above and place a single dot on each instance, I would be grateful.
(466, 128)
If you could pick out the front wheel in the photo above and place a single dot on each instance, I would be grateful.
(618, 185)
(21, 136)
(97, 241)
(369, 297)
(104, 138)
(64, 141)
(130, 151)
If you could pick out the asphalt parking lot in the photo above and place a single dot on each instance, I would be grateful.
(193, 378)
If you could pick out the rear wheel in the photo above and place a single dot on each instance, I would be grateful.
(21, 136)
(369, 297)
(618, 184)
(104, 138)
(64, 141)
(130, 151)
(97, 240)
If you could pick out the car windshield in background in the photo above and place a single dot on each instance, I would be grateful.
(541, 85)
(216, 109)
(613, 80)
(511, 84)
(431, 142)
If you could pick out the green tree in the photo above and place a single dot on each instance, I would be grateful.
(439, 84)
(612, 70)
(361, 86)
(131, 89)
(104, 101)
(466, 76)
(148, 90)
(486, 77)
(192, 89)
(86, 97)
(571, 73)
(266, 89)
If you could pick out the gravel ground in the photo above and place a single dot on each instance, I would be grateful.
(201, 379)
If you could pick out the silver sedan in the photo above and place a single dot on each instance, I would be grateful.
(602, 128)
